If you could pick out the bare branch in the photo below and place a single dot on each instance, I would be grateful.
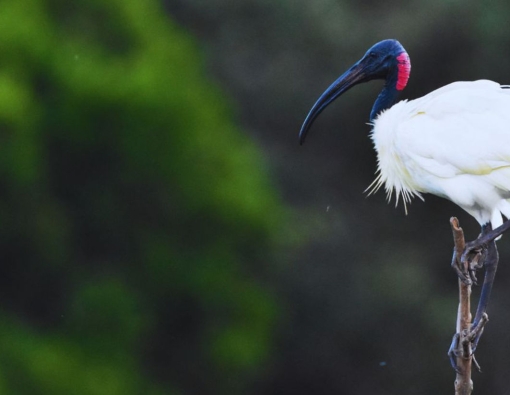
(461, 347)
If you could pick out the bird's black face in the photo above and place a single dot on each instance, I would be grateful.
(377, 62)
(386, 60)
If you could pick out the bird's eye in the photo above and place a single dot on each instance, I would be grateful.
(373, 55)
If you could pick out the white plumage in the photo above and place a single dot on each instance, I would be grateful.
(454, 143)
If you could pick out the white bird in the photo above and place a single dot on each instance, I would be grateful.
(453, 142)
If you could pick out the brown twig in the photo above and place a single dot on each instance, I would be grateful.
(463, 352)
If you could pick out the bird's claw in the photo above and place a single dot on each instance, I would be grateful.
(465, 269)
(453, 353)
(477, 365)
(462, 273)
(464, 344)
(471, 260)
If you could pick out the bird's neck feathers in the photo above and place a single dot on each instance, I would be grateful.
(385, 100)
(396, 81)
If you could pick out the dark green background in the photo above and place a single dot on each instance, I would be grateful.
(161, 231)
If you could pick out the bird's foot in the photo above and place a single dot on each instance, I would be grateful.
(468, 263)
(471, 260)
(464, 344)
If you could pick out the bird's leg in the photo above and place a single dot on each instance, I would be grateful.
(465, 341)
(485, 237)
(491, 265)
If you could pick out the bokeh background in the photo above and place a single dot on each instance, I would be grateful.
(162, 232)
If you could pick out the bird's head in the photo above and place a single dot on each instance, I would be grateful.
(387, 60)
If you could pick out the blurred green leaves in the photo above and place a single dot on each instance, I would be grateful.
(135, 214)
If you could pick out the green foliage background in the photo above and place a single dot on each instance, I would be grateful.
(133, 211)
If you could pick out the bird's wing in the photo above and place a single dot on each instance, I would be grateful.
(462, 128)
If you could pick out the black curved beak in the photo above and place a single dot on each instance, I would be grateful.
(351, 77)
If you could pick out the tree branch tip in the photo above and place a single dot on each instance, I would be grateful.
(454, 222)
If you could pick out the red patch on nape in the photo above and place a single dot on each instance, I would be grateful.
(404, 69)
